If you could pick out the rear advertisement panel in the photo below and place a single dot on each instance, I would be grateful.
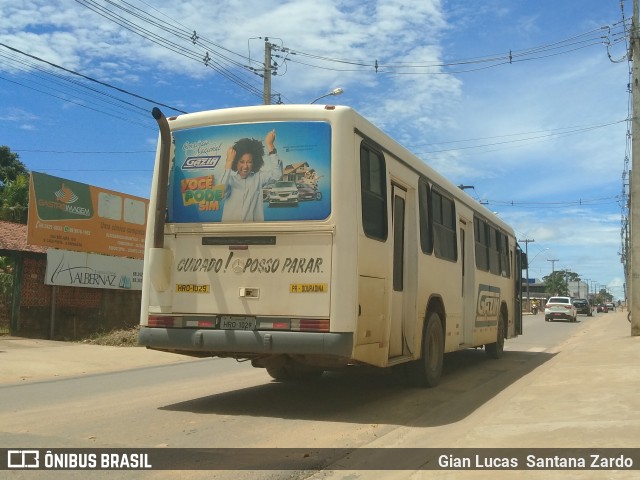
(68, 215)
(255, 172)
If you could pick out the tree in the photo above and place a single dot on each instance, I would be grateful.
(10, 166)
(14, 200)
(603, 296)
(557, 283)
(14, 187)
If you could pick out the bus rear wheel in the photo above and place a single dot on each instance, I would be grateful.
(289, 373)
(495, 350)
(426, 371)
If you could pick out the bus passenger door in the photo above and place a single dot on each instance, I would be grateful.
(402, 326)
(467, 287)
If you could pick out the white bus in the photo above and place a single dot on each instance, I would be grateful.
(304, 239)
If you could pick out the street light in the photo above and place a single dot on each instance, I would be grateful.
(335, 91)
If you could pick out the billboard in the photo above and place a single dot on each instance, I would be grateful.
(68, 215)
(79, 269)
(253, 172)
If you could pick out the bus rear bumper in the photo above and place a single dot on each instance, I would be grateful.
(249, 342)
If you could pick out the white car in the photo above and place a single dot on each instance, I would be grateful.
(560, 307)
(283, 192)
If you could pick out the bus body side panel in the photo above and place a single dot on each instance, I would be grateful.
(373, 274)
(344, 257)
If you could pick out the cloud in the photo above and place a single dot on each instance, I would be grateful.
(506, 130)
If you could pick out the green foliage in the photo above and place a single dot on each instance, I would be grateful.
(10, 166)
(14, 200)
(557, 282)
(14, 187)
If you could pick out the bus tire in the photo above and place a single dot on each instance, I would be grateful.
(281, 373)
(496, 349)
(426, 371)
(288, 373)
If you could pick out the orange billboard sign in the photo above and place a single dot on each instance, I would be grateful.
(68, 215)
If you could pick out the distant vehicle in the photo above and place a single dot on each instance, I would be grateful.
(583, 306)
(602, 308)
(307, 192)
(560, 307)
(611, 306)
(283, 192)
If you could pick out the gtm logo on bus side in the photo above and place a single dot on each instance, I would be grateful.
(488, 301)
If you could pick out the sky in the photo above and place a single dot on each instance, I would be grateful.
(525, 102)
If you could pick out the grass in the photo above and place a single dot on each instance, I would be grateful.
(115, 338)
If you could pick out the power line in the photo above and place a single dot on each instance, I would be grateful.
(86, 77)
(583, 202)
(553, 133)
(71, 88)
(79, 104)
(211, 58)
(598, 36)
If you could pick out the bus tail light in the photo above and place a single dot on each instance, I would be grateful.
(310, 324)
(171, 321)
(267, 324)
(164, 321)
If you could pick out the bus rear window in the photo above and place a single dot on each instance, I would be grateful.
(252, 172)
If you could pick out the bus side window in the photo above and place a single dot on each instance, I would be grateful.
(494, 252)
(444, 227)
(373, 186)
(426, 227)
(503, 245)
(482, 250)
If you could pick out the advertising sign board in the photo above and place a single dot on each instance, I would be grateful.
(68, 215)
(79, 269)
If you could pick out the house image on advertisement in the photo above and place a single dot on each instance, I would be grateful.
(300, 173)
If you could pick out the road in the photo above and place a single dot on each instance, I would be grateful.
(216, 403)
(541, 336)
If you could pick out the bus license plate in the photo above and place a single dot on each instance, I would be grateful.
(237, 323)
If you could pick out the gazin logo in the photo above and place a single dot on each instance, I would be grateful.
(65, 195)
(201, 162)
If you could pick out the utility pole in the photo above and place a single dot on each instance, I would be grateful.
(526, 251)
(634, 188)
(266, 93)
(553, 264)
(586, 280)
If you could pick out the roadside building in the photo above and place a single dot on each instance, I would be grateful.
(33, 308)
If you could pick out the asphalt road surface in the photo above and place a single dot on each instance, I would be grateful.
(220, 403)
